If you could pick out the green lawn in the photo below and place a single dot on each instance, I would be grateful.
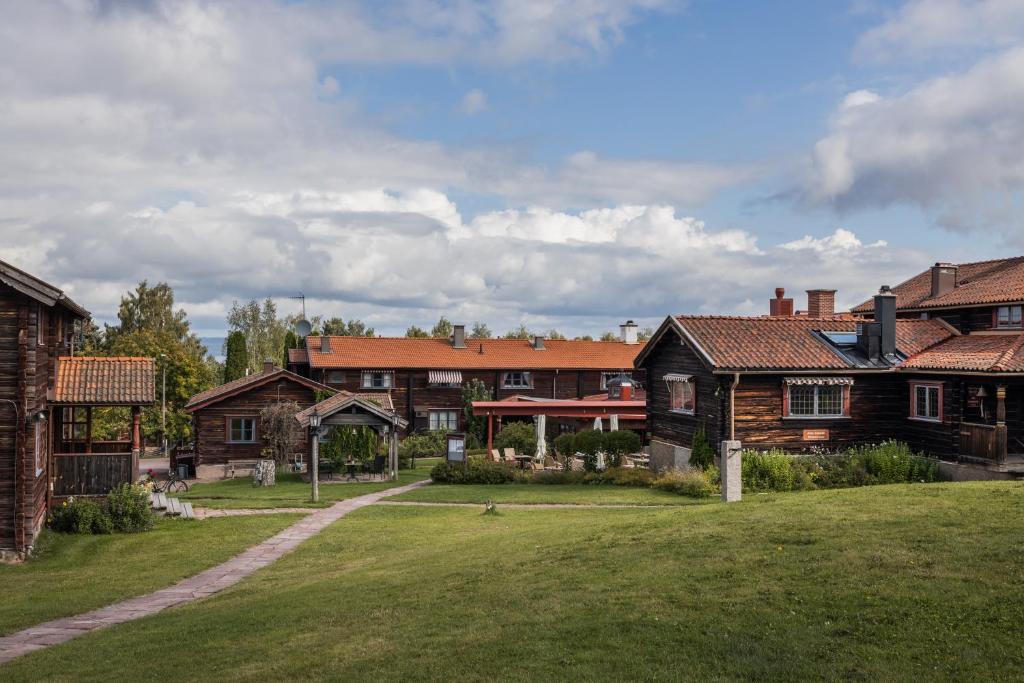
(545, 493)
(292, 491)
(70, 574)
(905, 582)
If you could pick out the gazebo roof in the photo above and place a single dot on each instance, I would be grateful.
(344, 399)
(105, 381)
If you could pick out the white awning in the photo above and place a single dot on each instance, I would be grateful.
(819, 380)
(677, 377)
(444, 376)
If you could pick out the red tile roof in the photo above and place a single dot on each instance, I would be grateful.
(298, 356)
(984, 282)
(330, 405)
(788, 343)
(973, 352)
(111, 381)
(497, 354)
(234, 387)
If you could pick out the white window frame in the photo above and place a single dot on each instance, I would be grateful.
(682, 386)
(817, 414)
(929, 403)
(450, 423)
(525, 380)
(1010, 324)
(387, 379)
(252, 429)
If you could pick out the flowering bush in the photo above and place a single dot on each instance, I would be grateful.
(129, 508)
(80, 516)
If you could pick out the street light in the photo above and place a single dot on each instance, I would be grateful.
(314, 462)
(163, 404)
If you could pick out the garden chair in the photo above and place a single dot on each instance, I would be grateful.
(495, 455)
(510, 454)
(377, 466)
(551, 464)
(576, 465)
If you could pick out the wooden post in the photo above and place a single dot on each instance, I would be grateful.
(1001, 431)
(490, 434)
(1001, 404)
(88, 429)
(314, 464)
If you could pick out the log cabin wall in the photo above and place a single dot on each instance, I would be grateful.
(414, 397)
(966, 320)
(669, 355)
(211, 441)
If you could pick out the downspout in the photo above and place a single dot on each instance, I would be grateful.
(732, 406)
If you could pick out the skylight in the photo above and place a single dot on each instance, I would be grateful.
(841, 337)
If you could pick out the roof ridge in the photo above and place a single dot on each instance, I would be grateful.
(1006, 356)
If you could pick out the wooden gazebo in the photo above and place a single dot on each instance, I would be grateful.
(83, 465)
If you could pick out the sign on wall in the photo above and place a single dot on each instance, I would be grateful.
(456, 451)
(816, 435)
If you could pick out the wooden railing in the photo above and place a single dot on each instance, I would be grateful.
(91, 474)
(986, 443)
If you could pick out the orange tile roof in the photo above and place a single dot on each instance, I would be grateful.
(973, 352)
(121, 381)
(241, 384)
(388, 353)
(788, 343)
(984, 282)
(298, 356)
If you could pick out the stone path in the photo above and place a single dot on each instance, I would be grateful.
(193, 588)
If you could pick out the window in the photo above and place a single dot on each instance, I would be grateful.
(824, 398)
(609, 376)
(516, 380)
(1008, 316)
(444, 419)
(377, 379)
(75, 427)
(682, 396)
(926, 402)
(241, 429)
(335, 376)
(40, 447)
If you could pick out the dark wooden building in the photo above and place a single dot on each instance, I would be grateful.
(46, 403)
(424, 378)
(895, 368)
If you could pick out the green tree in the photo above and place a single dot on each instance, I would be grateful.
(555, 334)
(416, 332)
(609, 337)
(645, 334)
(521, 436)
(521, 333)
(584, 337)
(337, 327)
(291, 341)
(475, 390)
(264, 333)
(443, 329)
(481, 331)
(148, 325)
(236, 357)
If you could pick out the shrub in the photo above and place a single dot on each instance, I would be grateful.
(423, 445)
(626, 476)
(129, 508)
(80, 516)
(767, 471)
(565, 444)
(556, 477)
(521, 436)
(475, 472)
(701, 453)
(619, 443)
(589, 442)
(689, 481)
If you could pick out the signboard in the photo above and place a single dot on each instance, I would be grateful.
(456, 451)
(815, 435)
(973, 400)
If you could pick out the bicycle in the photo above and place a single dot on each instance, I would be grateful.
(173, 484)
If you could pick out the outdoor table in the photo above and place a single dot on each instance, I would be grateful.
(350, 467)
(523, 460)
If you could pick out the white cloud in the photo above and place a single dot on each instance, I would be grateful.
(926, 28)
(473, 102)
(840, 243)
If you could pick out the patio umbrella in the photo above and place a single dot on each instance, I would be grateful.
(542, 446)
(598, 425)
(613, 423)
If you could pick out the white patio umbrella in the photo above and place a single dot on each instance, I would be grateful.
(613, 423)
(598, 425)
(542, 446)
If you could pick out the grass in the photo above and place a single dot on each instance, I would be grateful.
(291, 491)
(889, 582)
(545, 493)
(70, 574)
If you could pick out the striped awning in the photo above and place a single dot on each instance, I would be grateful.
(819, 380)
(444, 376)
(677, 377)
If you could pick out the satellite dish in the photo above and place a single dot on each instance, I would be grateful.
(303, 328)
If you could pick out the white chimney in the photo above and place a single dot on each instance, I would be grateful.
(628, 332)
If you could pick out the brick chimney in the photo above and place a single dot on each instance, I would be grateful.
(268, 366)
(458, 336)
(325, 344)
(943, 279)
(780, 305)
(821, 303)
(538, 342)
(628, 332)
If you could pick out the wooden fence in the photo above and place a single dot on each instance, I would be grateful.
(92, 474)
(985, 443)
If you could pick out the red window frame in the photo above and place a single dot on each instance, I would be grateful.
(913, 401)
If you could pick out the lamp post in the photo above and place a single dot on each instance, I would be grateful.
(163, 404)
(314, 462)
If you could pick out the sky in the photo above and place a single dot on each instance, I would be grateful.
(565, 164)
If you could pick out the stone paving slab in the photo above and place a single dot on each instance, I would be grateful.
(194, 587)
